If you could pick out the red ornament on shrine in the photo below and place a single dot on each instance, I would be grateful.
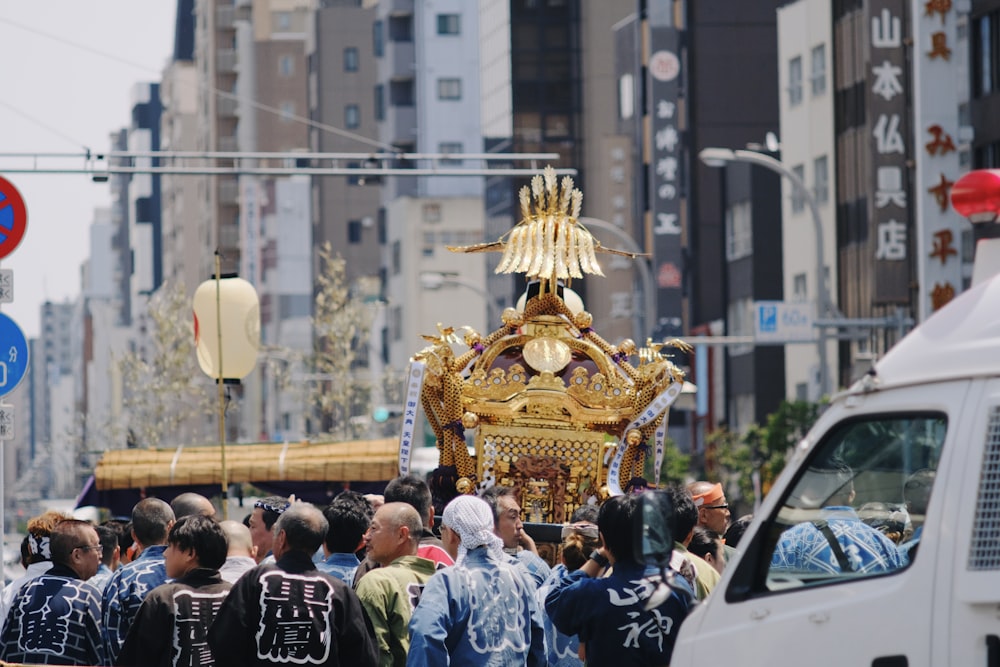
(976, 195)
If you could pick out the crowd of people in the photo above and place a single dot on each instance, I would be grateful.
(366, 580)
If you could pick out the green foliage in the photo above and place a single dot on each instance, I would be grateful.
(164, 393)
(731, 458)
(341, 329)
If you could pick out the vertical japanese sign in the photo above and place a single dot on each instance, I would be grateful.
(624, 299)
(935, 116)
(665, 173)
(890, 222)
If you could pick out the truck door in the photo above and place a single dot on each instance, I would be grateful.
(844, 570)
(970, 623)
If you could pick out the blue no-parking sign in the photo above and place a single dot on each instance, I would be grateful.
(13, 355)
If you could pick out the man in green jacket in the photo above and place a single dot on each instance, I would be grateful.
(390, 592)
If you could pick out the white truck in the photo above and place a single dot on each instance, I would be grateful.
(920, 436)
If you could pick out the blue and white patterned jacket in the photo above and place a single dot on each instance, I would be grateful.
(560, 650)
(804, 547)
(54, 619)
(480, 612)
(124, 593)
(342, 566)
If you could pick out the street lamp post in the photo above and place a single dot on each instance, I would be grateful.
(719, 157)
(433, 280)
(641, 319)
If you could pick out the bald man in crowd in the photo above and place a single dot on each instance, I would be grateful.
(189, 503)
(290, 612)
(390, 592)
(242, 553)
(713, 509)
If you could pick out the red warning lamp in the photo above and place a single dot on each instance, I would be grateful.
(976, 195)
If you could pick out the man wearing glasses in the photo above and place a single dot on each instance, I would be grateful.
(713, 510)
(56, 617)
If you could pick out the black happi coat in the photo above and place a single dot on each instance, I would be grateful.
(171, 628)
(291, 613)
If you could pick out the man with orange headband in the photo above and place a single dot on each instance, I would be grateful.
(713, 509)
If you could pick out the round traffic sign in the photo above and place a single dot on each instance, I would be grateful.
(13, 217)
(13, 355)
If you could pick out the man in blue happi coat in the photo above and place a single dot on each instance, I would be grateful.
(130, 584)
(629, 617)
(56, 617)
(837, 541)
(480, 611)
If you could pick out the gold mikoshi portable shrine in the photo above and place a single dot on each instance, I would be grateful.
(557, 412)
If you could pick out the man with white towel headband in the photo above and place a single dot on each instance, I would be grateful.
(480, 611)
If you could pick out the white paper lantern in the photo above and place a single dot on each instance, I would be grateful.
(240, 320)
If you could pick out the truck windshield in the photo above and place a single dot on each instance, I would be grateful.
(857, 509)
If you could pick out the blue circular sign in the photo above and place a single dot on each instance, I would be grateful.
(13, 355)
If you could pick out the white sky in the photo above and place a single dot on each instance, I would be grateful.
(60, 94)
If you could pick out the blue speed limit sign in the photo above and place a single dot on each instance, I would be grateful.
(13, 355)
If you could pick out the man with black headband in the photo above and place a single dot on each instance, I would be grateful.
(265, 512)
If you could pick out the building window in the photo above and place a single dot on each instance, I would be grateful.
(352, 117)
(739, 231)
(379, 102)
(397, 323)
(798, 200)
(401, 93)
(449, 89)
(286, 66)
(401, 28)
(448, 24)
(626, 96)
(282, 21)
(397, 258)
(740, 323)
(432, 213)
(800, 288)
(985, 53)
(287, 111)
(795, 81)
(818, 64)
(449, 147)
(821, 180)
(350, 59)
(353, 178)
(354, 231)
(378, 45)
(428, 249)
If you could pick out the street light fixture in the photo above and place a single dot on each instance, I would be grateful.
(434, 280)
(720, 157)
(642, 318)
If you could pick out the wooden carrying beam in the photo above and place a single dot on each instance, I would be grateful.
(356, 461)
